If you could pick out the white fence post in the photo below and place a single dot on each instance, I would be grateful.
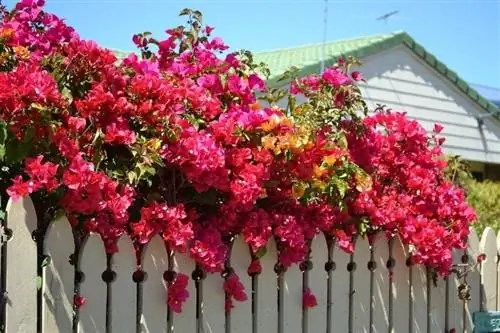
(362, 294)
(267, 291)
(154, 287)
(59, 277)
(474, 281)
(488, 247)
(123, 288)
(21, 275)
(340, 291)
(241, 315)
(186, 320)
(401, 288)
(93, 288)
(381, 284)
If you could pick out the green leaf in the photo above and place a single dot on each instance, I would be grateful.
(46, 261)
(58, 214)
(132, 177)
(39, 282)
(185, 11)
(261, 252)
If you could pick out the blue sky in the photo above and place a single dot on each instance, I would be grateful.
(465, 35)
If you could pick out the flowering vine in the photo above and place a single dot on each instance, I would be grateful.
(184, 140)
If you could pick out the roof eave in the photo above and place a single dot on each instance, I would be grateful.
(402, 38)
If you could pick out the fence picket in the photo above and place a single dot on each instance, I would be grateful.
(123, 288)
(267, 291)
(241, 315)
(419, 298)
(488, 247)
(93, 288)
(380, 294)
(59, 277)
(186, 320)
(498, 272)
(293, 300)
(154, 292)
(437, 304)
(400, 288)
(318, 279)
(340, 291)
(21, 275)
(474, 281)
(214, 303)
(455, 305)
(361, 290)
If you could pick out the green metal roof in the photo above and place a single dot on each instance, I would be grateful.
(308, 59)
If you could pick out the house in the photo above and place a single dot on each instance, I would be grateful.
(403, 75)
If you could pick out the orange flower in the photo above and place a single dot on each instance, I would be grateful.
(22, 52)
(330, 159)
(363, 182)
(271, 124)
(6, 33)
(255, 106)
(319, 171)
(297, 111)
(268, 141)
(298, 190)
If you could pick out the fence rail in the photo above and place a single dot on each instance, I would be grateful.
(372, 290)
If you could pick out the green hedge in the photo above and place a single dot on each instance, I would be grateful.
(485, 198)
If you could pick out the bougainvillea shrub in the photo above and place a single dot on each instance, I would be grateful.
(183, 139)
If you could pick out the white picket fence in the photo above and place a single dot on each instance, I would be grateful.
(372, 290)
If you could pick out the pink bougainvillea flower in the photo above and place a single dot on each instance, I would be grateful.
(177, 292)
(174, 142)
(480, 258)
(234, 290)
(357, 76)
(308, 299)
(79, 301)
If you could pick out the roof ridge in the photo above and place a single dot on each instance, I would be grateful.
(386, 35)
(484, 85)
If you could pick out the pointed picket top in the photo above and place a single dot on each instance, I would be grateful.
(381, 284)
(241, 315)
(21, 275)
(488, 247)
(123, 288)
(267, 292)
(361, 296)
(59, 277)
(473, 279)
(318, 281)
(154, 287)
(93, 288)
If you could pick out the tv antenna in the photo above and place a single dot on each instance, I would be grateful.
(325, 31)
(386, 16)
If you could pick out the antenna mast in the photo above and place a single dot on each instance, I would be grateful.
(325, 30)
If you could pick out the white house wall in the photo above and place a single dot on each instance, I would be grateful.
(400, 80)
